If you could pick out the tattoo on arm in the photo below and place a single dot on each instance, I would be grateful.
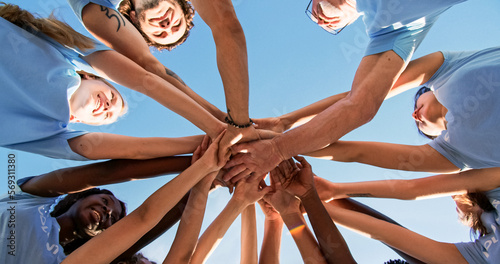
(110, 13)
(171, 73)
(359, 195)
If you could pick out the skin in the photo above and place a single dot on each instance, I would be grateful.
(420, 247)
(95, 103)
(378, 76)
(273, 228)
(107, 246)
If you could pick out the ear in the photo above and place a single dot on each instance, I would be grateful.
(133, 17)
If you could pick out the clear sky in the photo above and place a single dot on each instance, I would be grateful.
(292, 63)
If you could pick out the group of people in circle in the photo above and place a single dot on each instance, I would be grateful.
(68, 77)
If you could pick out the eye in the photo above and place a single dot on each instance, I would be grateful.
(105, 201)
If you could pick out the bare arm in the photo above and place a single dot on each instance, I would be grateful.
(249, 253)
(387, 155)
(231, 53)
(247, 192)
(418, 246)
(190, 225)
(116, 239)
(273, 228)
(478, 180)
(119, 34)
(124, 71)
(76, 179)
(112, 146)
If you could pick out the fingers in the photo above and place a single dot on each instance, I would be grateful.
(267, 134)
(238, 159)
(303, 162)
(240, 148)
(196, 155)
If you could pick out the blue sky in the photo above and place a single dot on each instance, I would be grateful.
(292, 63)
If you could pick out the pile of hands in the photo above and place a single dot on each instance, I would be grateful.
(237, 166)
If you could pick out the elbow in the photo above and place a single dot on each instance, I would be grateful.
(362, 108)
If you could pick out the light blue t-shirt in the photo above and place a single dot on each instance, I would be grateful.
(399, 25)
(78, 5)
(468, 85)
(485, 249)
(28, 234)
(36, 75)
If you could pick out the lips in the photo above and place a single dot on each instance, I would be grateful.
(99, 104)
(96, 216)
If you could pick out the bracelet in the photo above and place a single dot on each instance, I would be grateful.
(231, 122)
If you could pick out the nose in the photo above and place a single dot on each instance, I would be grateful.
(107, 214)
(415, 115)
(165, 24)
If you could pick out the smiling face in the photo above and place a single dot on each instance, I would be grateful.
(95, 103)
(162, 21)
(430, 114)
(95, 213)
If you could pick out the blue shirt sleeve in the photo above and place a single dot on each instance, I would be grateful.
(56, 146)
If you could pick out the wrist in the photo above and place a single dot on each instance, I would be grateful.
(276, 144)
(310, 196)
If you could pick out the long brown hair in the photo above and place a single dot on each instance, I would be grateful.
(53, 28)
(471, 218)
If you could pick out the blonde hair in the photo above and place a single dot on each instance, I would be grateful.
(53, 28)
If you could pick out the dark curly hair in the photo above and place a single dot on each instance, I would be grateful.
(135, 259)
(68, 201)
(126, 6)
(396, 261)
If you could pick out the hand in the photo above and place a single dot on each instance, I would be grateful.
(325, 188)
(248, 191)
(210, 157)
(258, 157)
(268, 210)
(282, 201)
(201, 149)
(297, 182)
(334, 13)
(271, 123)
(234, 135)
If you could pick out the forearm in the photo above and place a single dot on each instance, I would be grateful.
(249, 253)
(387, 155)
(76, 179)
(271, 243)
(331, 241)
(172, 217)
(305, 114)
(111, 146)
(214, 233)
(189, 228)
(353, 205)
(306, 243)
(125, 72)
(420, 247)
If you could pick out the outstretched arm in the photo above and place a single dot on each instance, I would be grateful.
(124, 71)
(116, 239)
(299, 182)
(116, 32)
(273, 228)
(478, 180)
(418, 246)
(387, 155)
(249, 253)
(376, 75)
(98, 145)
(247, 192)
(76, 179)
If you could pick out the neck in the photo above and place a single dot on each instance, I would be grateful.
(67, 233)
